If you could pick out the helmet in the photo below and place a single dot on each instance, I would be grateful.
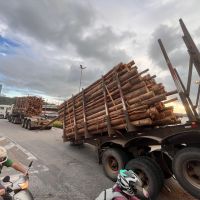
(3, 155)
(128, 181)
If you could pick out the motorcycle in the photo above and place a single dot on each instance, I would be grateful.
(18, 190)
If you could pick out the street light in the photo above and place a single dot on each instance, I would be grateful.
(81, 67)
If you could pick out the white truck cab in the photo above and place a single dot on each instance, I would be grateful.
(4, 109)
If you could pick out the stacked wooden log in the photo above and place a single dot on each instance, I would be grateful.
(28, 106)
(121, 99)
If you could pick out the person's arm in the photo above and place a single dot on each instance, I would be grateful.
(2, 192)
(19, 167)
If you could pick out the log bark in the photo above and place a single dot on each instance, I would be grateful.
(136, 94)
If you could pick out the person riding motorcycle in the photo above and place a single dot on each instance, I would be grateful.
(127, 187)
(5, 161)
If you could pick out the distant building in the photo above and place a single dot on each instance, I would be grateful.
(50, 108)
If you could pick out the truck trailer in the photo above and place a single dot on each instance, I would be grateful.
(155, 145)
(27, 111)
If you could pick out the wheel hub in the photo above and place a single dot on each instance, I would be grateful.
(143, 177)
(192, 172)
(113, 163)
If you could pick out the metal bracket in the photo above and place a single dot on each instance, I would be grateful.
(130, 127)
(87, 135)
(74, 113)
(110, 130)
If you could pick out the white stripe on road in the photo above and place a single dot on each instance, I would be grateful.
(9, 146)
(29, 155)
(12, 144)
(2, 138)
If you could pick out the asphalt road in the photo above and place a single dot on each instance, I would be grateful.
(61, 171)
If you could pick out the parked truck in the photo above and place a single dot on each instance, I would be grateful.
(127, 130)
(28, 112)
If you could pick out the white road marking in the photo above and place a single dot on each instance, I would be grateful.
(9, 146)
(44, 168)
(2, 138)
(30, 156)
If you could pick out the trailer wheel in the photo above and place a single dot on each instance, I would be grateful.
(29, 125)
(157, 169)
(186, 167)
(9, 118)
(113, 160)
(164, 161)
(146, 170)
(15, 120)
(12, 120)
(23, 123)
(48, 127)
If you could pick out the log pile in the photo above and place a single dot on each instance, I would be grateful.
(122, 99)
(28, 106)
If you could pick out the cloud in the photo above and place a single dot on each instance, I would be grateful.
(170, 39)
(44, 77)
(59, 36)
(48, 21)
(104, 46)
(63, 24)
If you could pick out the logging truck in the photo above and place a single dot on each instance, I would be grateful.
(124, 115)
(28, 112)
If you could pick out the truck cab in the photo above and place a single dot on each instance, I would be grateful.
(4, 109)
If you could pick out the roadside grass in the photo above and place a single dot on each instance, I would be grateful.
(58, 124)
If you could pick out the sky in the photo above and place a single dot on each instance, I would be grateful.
(43, 43)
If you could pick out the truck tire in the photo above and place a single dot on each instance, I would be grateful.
(23, 123)
(15, 120)
(113, 160)
(48, 127)
(29, 125)
(9, 118)
(26, 124)
(12, 119)
(164, 161)
(155, 166)
(186, 167)
(146, 169)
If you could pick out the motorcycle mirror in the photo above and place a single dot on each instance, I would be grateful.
(6, 179)
(30, 164)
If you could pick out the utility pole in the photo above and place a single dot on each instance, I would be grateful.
(81, 67)
(197, 100)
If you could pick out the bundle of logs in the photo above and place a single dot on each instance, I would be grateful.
(28, 106)
(122, 99)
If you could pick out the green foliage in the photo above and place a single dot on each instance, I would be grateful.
(58, 124)
(7, 100)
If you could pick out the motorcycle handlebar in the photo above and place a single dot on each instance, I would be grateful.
(8, 190)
